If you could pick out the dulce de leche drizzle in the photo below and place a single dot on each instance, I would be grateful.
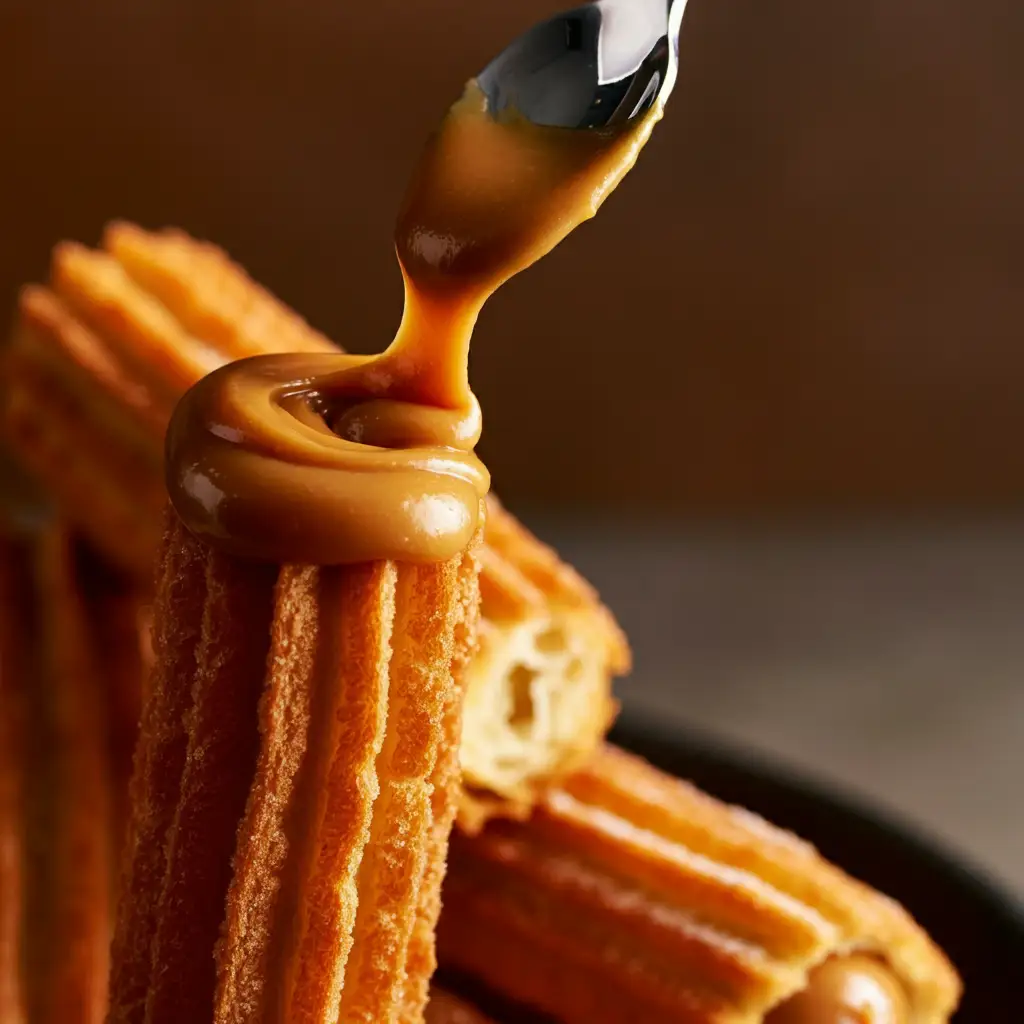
(333, 459)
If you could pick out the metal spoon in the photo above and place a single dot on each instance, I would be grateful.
(594, 66)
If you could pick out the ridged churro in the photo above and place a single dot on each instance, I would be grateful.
(632, 896)
(15, 672)
(284, 840)
(50, 903)
(67, 644)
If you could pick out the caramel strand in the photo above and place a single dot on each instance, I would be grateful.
(336, 459)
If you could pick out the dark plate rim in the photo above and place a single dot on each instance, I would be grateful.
(637, 728)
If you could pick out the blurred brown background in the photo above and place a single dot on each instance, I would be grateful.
(808, 293)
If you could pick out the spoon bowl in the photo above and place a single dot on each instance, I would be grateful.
(595, 66)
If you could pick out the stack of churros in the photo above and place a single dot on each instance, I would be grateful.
(296, 770)
(97, 361)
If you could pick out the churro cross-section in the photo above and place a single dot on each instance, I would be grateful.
(538, 697)
(98, 358)
(629, 895)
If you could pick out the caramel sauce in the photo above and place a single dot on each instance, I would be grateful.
(334, 459)
(847, 990)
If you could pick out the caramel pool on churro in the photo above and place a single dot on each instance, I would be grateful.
(290, 824)
(97, 359)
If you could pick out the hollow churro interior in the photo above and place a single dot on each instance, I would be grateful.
(98, 358)
(536, 700)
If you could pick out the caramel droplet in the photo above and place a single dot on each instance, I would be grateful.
(847, 990)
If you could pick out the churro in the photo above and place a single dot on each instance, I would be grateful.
(284, 837)
(631, 896)
(67, 737)
(15, 670)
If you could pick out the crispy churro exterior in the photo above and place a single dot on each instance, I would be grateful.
(96, 362)
(47, 907)
(539, 695)
(15, 671)
(67, 734)
(632, 896)
(294, 789)
(73, 986)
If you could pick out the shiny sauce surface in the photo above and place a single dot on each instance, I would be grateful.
(854, 989)
(333, 459)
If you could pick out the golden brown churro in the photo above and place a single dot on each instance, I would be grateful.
(64, 771)
(293, 789)
(630, 896)
(15, 672)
